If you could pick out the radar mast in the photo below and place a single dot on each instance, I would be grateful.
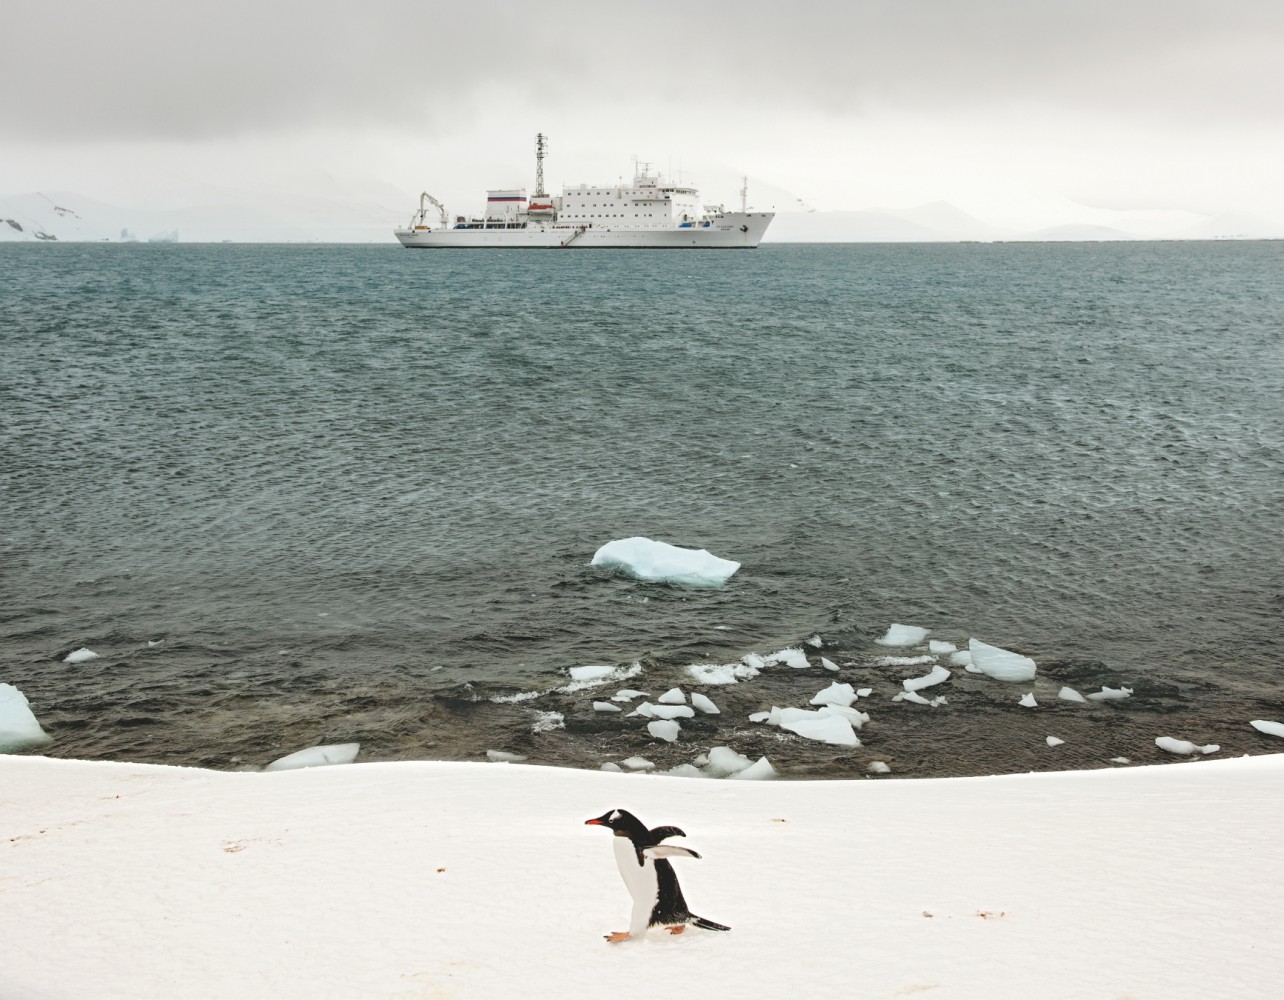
(541, 146)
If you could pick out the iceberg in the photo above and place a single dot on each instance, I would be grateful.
(19, 729)
(335, 753)
(664, 729)
(658, 562)
(704, 704)
(1000, 664)
(903, 635)
(1261, 725)
(937, 675)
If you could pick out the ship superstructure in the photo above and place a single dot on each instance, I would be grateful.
(651, 212)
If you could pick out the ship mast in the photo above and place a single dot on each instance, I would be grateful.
(744, 193)
(541, 145)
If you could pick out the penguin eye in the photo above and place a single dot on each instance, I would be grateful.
(614, 816)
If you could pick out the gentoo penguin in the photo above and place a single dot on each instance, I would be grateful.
(651, 881)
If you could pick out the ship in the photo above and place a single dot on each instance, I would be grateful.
(651, 213)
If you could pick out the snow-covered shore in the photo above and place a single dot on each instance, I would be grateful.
(480, 880)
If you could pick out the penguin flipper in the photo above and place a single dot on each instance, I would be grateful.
(669, 851)
(665, 832)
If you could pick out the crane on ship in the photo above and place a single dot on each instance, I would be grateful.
(420, 219)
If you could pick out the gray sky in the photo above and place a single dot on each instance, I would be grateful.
(1012, 110)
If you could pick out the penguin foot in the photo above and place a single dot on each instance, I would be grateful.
(617, 937)
(676, 930)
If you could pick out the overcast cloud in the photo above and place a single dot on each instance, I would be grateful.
(1178, 104)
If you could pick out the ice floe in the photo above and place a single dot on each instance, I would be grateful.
(1070, 694)
(759, 770)
(1001, 664)
(1028, 701)
(1054, 742)
(659, 562)
(823, 726)
(1110, 694)
(673, 696)
(504, 756)
(664, 729)
(791, 657)
(19, 729)
(80, 656)
(704, 704)
(940, 648)
(1184, 747)
(835, 694)
(335, 753)
(606, 706)
(936, 675)
(903, 635)
(1261, 725)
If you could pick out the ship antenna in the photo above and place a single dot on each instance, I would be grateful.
(541, 146)
(744, 193)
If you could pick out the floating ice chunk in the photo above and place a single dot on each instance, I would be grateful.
(903, 635)
(513, 699)
(828, 664)
(759, 770)
(759, 716)
(941, 648)
(609, 766)
(1001, 664)
(592, 676)
(963, 659)
(19, 729)
(1054, 742)
(937, 674)
(878, 767)
(637, 764)
(154, 642)
(724, 762)
(835, 694)
(856, 717)
(664, 729)
(80, 656)
(704, 704)
(684, 771)
(903, 661)
(864, 692)
(649, 711)
(1028, 701)
(627, 694)
(503, 756)
(591, 673)
(913, 696)
(673, 696)
(1120, 760)
(606, 706)
(335, 753)
(1261, 725)
(701, 761)
(832, 729)
(1110, 694)
(792, 657)
(753, 661)
(546, 722)
(1184, 747)
(659, 562)
(1070, 694)
(815, 641)
(723, 628)
(720, 673)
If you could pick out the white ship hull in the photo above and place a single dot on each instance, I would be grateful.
(734, 230)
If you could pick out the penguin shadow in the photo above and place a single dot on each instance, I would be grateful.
(643, 860)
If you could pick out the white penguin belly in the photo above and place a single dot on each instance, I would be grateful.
(641, 882)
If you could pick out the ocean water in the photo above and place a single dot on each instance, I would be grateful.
(303, 494)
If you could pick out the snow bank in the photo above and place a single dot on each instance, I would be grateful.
(659, 562)
(335, 753)
(19, 729)
(1000, 664)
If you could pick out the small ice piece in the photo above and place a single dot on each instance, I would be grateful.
(832, 729)
(649, 711)
(940, 648)
(80, 656)
(753, 661)
(335, 753)
(835, 694)
(856, 717)
(903, 661)
(1054, 742)
(723, 628)
(937, 674)
(609, 766)
(19, 729)
(864, 692)
(1028, 701)
(938, 700)
(878, 767)
(659, 562)
(590, 673)
(1110, 694)
(913, 696)
(664, 729)
(627, 694)
(503, 756)
(546, 722)
(593, 676)
(903, 635)
(154, 642)
(704, 704)
(759, 770)
(720, 673)
(964, 659)
(701, 761)
(791, 657)
(1261, 725)
(1120, 760)
(673, 696)
(637, 764)
(684, 771)
(828, 664)
(815, 641)
(1184, 747)
(1070, 694)
(724, 762)
(1001, 664)
(606, 706)
(759, 716)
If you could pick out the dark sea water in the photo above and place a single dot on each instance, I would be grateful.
(351, 494)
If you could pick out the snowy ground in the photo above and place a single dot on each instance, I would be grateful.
(419, 880)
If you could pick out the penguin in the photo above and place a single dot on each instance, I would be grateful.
(651, 881)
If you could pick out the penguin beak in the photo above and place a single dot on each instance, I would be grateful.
(594, 822)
